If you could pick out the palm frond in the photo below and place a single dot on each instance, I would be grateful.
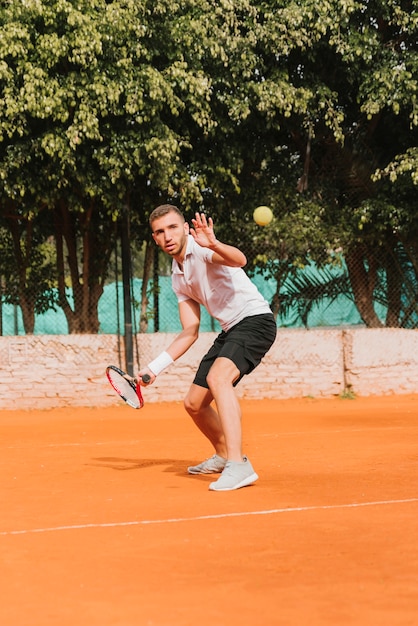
(313, 287)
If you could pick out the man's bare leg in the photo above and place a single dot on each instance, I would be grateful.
(198, 405)
(220, 379)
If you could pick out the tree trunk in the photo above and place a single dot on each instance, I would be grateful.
(148, 261)
(28, 313)
(22, 256)
(86, 228)
(394, 290)
(363, 282)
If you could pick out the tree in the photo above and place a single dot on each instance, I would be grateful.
(366, 67)
(27, 266)
(332, 142)
(114, 106)
(96, 109)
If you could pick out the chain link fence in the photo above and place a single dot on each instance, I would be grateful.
(357, 289)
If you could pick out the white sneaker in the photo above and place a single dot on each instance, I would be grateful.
(234, 476)
(213, 465)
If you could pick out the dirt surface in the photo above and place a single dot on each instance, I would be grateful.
(102, 526)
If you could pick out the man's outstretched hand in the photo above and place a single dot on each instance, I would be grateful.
(202, 231)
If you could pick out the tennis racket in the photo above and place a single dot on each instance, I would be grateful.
(126, 386)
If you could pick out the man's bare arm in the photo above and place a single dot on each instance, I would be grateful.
(189, 312)
(204, 235)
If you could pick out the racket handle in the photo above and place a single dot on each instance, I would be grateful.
(146, 378)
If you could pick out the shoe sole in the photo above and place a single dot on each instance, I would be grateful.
(192, 470)
(248, 480)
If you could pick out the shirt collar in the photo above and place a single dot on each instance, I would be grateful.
(189, 249)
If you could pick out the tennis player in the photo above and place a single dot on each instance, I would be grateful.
(208, 272)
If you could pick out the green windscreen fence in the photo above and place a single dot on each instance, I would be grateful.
(339, 311)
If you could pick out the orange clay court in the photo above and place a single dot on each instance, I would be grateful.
(102, 526)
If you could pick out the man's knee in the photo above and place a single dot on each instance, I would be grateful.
(189, 405)
(197, 399)
(223, 372)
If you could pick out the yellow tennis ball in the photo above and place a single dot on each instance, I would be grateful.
(263, 215)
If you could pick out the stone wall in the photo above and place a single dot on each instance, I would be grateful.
(69, 370)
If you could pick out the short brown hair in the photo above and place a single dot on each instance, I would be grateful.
(162, 210)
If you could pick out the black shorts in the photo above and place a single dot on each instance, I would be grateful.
(245, 344)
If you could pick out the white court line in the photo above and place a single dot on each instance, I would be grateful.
(178, 520)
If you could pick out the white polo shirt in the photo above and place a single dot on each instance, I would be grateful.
(226, 292)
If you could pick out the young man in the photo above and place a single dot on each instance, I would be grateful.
(209, 273)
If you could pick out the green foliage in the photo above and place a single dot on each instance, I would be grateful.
(307, 107)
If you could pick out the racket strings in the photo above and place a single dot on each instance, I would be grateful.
(124, 388)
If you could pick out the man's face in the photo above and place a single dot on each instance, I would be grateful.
(170, 234)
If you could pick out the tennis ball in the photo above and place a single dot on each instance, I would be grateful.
(263, 215)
